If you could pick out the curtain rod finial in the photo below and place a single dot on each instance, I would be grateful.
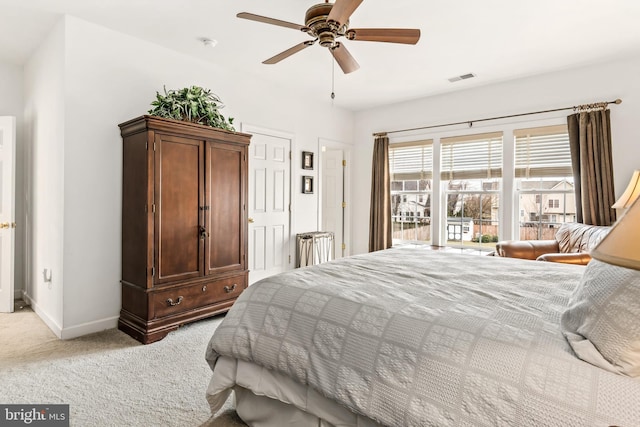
(618, 101)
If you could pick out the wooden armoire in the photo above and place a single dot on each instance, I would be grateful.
(184, 224)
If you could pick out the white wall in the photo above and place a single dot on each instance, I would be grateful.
(110, 78)
(12, 104)
(44, 119)
(603, 82)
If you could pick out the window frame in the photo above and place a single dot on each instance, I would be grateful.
(412, 196)
(509, 214)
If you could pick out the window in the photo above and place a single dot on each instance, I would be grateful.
(470, 182)
(544, 180)
(411, 170)
(471, 176)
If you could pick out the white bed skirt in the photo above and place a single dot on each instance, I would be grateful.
(264, 398)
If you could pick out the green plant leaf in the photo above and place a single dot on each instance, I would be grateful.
(192, 103)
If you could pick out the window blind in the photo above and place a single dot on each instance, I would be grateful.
(542, 152)
(411, 160)
(472, 156)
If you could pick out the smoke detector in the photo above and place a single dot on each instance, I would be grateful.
(210, 43)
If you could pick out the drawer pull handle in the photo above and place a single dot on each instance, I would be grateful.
(204, 288)
(228, 289)
(178, 301)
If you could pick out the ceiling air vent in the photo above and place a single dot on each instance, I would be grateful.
(462, 77)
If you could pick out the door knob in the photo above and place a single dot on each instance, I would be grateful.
(5, 225)
(251, 220)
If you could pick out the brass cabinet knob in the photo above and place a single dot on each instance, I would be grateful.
(251, 220)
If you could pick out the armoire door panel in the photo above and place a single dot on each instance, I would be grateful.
(137, 252)
(179, 195)
(225, 214)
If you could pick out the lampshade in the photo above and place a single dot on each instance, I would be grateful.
(622, 245)
(630, 194)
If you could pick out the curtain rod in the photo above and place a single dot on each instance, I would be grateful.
(471, 122)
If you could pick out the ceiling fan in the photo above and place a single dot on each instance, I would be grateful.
(326, 22)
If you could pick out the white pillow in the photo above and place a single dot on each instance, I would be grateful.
(602, 323)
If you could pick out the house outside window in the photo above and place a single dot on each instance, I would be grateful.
(544, 180)
(411, 170)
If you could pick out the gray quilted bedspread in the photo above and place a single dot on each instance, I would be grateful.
(412, 337)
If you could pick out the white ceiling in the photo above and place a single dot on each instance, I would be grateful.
(495, 39)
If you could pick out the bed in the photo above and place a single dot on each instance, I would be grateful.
(414, 337)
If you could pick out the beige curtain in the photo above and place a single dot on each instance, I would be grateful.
(590, 141)
(380, 217)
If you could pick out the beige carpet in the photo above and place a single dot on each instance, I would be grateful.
(108, 378)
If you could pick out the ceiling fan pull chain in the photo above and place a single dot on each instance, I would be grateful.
(333, 79)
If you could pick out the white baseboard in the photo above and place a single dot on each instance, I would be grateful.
(71, 331)
(89, 328)
(45, 318)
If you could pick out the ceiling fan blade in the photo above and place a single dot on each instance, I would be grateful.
(287, 53)
(344, 58)
(342, 10)
(387, 35)
(272, 21)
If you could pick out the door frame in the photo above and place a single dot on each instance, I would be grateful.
(9, 122)
(346, 148)
(257, 129)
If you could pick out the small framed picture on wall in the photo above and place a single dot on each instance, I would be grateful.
(307, 184)
(307, 160)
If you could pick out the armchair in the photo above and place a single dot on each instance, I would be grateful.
(571, 245)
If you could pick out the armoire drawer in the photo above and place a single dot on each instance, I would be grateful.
(189, 297)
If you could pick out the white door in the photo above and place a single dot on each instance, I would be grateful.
(333, 201)
(7, 214)
(269, 201)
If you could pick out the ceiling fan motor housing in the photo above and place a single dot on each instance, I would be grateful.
(325, 31)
